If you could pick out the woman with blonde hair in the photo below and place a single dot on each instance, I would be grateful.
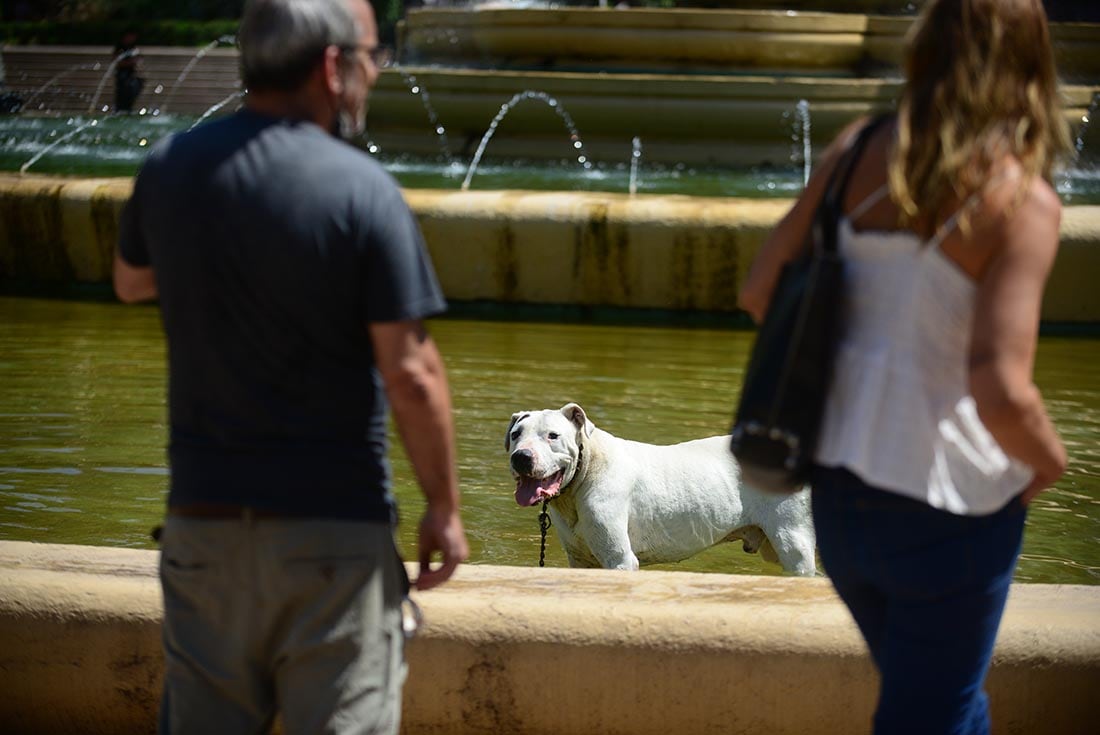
(935, 437)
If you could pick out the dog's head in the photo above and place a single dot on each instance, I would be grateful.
(544, 450)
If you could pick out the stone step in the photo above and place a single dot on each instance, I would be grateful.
(697, 119)
(718, 119)
(687, 40)
(705, 120)
(84, 85)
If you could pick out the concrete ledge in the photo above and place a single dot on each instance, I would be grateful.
(606, 40)
(686, 39)
(56, 229)
(546, 651)
(522, 247)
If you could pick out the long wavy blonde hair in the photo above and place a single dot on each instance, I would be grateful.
(981, 84)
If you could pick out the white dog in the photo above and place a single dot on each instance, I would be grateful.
(619, 504)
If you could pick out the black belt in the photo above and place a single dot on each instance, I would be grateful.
(216, 511)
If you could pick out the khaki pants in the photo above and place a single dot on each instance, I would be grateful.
(302, 617)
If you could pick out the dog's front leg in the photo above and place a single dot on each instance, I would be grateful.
(576, 551)
(610, 544)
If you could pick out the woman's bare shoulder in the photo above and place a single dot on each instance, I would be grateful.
(1015, 200)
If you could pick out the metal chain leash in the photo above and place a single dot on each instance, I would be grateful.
(544, 526)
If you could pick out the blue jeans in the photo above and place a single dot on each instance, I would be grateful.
(927, 589)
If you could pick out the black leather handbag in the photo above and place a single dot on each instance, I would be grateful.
(779, 415)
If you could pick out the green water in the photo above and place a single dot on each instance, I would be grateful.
(82, 425)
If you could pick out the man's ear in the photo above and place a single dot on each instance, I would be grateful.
(577, 417)
(332, 64)
(508, 434)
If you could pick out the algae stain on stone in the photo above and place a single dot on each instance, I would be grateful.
(136, 682)
(621, 268)
(577, 270)
(596, 234)
(601, 259)
(598, 250)
(506, 265)
(33, 231)
(722, 275)
(683, 282)
(489, 705)
(106, 211)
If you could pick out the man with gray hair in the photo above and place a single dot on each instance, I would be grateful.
(293, 282)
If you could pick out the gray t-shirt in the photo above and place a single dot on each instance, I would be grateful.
(273, 245)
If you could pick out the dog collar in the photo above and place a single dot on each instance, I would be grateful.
(576, 471)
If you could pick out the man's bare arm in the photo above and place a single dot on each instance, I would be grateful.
(133, 283)
(416, 385)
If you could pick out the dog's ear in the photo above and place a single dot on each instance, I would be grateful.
(576, 415)
(508, 434)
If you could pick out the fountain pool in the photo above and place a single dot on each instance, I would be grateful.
(82, 425)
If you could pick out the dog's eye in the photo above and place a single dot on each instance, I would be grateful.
(515, 435)
(552, 435)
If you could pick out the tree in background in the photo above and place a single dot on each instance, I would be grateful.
(100, 10)
(388, 12)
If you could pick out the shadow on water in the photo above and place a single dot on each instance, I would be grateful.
(82, 421)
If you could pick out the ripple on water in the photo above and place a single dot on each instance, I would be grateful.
(160, 471)
(40, 470)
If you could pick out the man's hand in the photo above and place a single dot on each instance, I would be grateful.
(440, 531)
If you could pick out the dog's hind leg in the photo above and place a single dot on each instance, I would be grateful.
(752, 539)
(767, 551)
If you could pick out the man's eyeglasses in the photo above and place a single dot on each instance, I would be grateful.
(380, 56)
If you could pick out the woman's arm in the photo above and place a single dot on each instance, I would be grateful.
(786, 240)
(1006, 329)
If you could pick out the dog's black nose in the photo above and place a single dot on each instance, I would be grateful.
(523, 460)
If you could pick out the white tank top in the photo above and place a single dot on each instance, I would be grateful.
(899, 414)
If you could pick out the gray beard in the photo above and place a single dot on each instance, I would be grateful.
(346, 126)
(343, 127)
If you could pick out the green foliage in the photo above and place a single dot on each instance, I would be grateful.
(157, 22)
(387, 13)
(152, 9)
(108, 32)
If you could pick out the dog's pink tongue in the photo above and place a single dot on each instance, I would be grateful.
(530, 490)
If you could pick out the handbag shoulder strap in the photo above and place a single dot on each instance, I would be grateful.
(828, 210)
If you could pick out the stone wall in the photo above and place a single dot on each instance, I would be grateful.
(528, 651)
(816, 41)
(521, 247)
